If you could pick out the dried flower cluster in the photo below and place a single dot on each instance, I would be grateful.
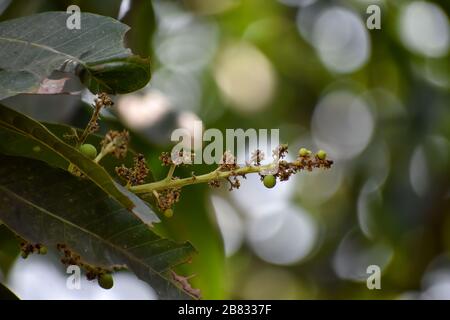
(92, 272)
(167, 191)
(228, 162)
(257, 157)
(116, 142)
(102, 100)
(303, 162)
(183, 157)
(167, 198)
(165, 158)
(135, 175)
(27, 248)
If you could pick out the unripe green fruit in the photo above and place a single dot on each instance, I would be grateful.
(105, 280)
(24, 255)
(88, 150)
(168, 213)
(269, 181)
(303, 152)
(321, 155)
(43, 250)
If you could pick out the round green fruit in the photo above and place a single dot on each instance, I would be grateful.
(43, 250)
(24, 255)
(105, 280)
(321, 155)
(88, 150)
(168, 213)
(269, 181)
(303, 152)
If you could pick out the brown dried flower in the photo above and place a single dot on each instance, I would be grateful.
(116, 142)
(135, 175)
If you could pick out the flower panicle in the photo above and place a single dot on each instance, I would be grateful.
(135, 175)
(167, 191)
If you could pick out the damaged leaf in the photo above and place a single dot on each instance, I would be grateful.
(33, 47)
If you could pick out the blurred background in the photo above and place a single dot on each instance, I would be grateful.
(376, 100)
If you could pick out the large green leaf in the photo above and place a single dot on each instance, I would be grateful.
(9, 250)
(6, 294)
(49, 206)
(17, 123)
(192, 221)
(33, 47)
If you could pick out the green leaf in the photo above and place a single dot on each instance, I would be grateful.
(49, 206)
(17, 123)
(192, 221)
(35, 46)
(6, 293)
(9, 249)
(16, 144)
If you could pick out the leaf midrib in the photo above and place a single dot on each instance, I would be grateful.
(56, 52)
(44, 47)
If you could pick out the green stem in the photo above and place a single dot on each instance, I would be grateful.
(214, 175)
(104, 151)
(170, 173)
(87, 130)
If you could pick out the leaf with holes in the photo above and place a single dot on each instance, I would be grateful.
(49, 206)
(35, 46)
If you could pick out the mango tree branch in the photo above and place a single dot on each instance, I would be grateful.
(283, 170)
(204, 178)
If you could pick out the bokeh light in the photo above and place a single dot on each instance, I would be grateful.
(283, 234)
(355, 254)
(245, 77)
(418, 172)
(230, 224)
(341, 40)
(342, 124)
(424, 29)
(143, 111)
(28, 277)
